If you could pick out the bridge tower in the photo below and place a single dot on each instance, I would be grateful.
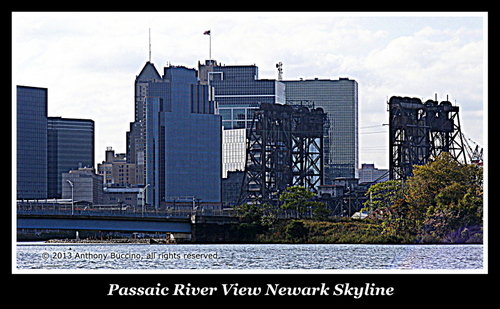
(285, 148)
(419, 132)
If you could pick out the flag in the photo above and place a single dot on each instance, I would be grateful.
(206, 32)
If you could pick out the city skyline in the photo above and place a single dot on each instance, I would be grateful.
(88, 61)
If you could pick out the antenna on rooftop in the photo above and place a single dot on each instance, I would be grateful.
(149, 44)
(279, 66)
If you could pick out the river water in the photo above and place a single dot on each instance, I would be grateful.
(242, 257)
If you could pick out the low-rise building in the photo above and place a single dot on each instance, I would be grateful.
(116, 171)
(369, 173)
(82, 186)
(127, 198)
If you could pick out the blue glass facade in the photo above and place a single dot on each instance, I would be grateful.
(70, 146)
(31, 141)
(183, 141)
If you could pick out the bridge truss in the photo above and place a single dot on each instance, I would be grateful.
(419, 132)
(285, 148)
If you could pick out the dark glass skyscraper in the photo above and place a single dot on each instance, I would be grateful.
(70, 146)
(31, 143)
(339, 99)
(48, 146)
(182, 139)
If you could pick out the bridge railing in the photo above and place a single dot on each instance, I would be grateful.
(170, 213)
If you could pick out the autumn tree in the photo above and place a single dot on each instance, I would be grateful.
(444, 197)
(441, 202)
(387, 203)
(384, 194)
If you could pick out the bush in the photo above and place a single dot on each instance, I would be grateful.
(296, 231)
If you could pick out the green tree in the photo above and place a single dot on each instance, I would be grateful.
(386, 200)
(384, 194)
(444, 197)
(249, 213)
(296, 231)
(269, 215)
(299, 199)
(250, 216)
(320, 211)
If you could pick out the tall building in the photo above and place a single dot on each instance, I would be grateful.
(147, 83)
(182, 140)
(31, 142)
(339, 99)
(238, 92)
(70, 146)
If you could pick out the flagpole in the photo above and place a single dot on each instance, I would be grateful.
(209, 33)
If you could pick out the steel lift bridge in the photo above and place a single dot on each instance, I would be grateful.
(284, 148)
(419, 132)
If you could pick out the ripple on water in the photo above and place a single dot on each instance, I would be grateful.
(255, 257)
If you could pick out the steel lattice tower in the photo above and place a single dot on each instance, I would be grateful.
(419, 132)
(285, 148)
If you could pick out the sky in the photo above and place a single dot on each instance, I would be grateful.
(89, 61)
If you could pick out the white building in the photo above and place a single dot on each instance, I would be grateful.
(234, 145)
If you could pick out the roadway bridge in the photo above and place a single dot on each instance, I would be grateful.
(119, 222)
(116, 224)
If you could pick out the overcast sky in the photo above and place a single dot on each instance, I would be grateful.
(88, 61)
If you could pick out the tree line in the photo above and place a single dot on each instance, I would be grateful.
(441, 203)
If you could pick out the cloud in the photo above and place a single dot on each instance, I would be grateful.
(89, 60)
(422, 65)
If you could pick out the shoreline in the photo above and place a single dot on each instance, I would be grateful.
(146, 241)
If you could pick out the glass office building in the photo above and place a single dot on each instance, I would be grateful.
(339, 99)
(238, 91)
(31, 142)
(183, 141)
(70, 146)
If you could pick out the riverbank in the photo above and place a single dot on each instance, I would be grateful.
(148, 241)
(285, 231)
(347, 231)
(325, 232)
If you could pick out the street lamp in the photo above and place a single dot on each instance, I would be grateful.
(144, 197)
(72, 192)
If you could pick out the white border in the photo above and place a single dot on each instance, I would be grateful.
(484, 270)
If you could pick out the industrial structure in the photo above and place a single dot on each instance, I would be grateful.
(419, 132)
(339, 100)
(285, 148)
